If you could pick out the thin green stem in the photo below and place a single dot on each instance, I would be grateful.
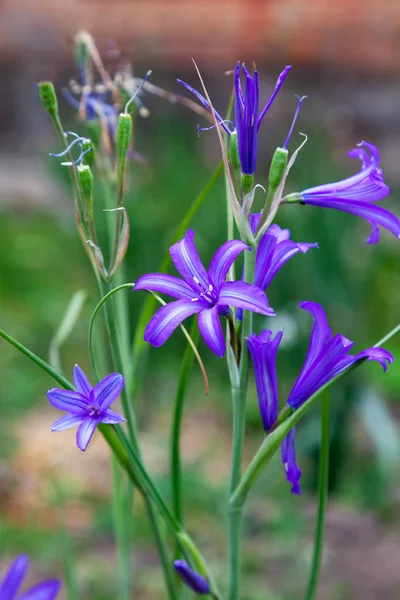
(121, 509)
(273, 441)
(239, 393)
(139, 346)
(323, 481)
(176, 467)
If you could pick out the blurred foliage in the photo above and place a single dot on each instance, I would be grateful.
(42, 264)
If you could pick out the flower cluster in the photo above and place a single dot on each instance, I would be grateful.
(327, 357)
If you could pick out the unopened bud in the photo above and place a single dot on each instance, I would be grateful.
(123, 136)
(246, 183)
(48, 97)
(88, 152)
(85, 178)
(277, 169)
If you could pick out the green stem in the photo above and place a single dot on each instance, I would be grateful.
(176, 467)
(121, 509)
(323, 481)
(140, 347)
(273, 441)
(239, 393)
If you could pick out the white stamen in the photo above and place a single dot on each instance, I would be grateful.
(193, 299)
(210, 288)
(196, 280)
(208, 299)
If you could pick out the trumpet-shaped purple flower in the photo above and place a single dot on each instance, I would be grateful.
(203, 292)
(247, 117)
(327, 356)
(47, 590)
(274, 250)
(87, 406)
(357, 194)
(193, 580)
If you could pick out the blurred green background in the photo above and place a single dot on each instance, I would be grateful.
(55, 501)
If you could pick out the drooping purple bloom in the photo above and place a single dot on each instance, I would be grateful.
(87, 406)
(357, 194)
(203, 292)
(327, 356)
(193, 580)
(274, 250)
(247, 117)
(47, 590)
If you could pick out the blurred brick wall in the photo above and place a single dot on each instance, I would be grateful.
(360, 34)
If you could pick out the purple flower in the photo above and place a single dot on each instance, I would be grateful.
(327, 356)
(193, 580)
(47, 590)
(274, 250)
(88, 406)
(247, 117)
(357, 194)
(203, 292)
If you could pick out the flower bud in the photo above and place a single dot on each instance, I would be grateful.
(246, 183)
(88, 152)
(277, 169)
(193, 580)
(85, 178)
(123, 139)
(48, 97)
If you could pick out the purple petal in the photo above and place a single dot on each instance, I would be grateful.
(85, 432)
(193, 580)
(320, 333)
(81, 382)
(263, 351)
(68, 421)
(223, 260)
(278, 86)
(246, 296)
(186, 259)
(374, 214)
(168, 318)
(71, 402)
(293, 472)
(205, 103)
(254, 221)
(108, 390)
(14, 577)
(47, 590)
(165, 284)
(211, 330)
(112, 418)
(272, 255)
(382, 356)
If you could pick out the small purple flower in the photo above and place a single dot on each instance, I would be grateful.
(203, 292)
(274, 250)
(247, 118)
(193, 580)
(88, 406)
(47, 590)
(327, 356)
(357, 194)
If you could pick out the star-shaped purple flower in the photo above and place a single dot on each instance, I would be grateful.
(327, 356)
(47, 590)
(203, 292)
(88, 406)
(357, 194)
(247, 118)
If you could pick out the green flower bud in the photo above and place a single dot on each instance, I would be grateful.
(123, 136)
(277, 169)
(85, 178)
(88, 147)
(246, 183)
(48, 97)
